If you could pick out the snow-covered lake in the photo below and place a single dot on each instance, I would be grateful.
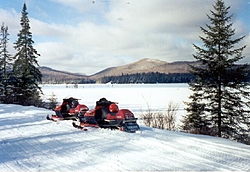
(136, 97)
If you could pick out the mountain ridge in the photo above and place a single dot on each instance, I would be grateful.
(145, 65)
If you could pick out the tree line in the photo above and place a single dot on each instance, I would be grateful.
(66, 80)
(149, 78)
(155, 77)
(19, 74)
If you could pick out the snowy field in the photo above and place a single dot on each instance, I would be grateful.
(29, 142)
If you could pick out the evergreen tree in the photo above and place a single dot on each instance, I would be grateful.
(6, 63)
(221, 85)
(25, 66)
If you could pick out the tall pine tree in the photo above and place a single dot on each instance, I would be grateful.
(221, 84)
(25, 66)
(6, 63)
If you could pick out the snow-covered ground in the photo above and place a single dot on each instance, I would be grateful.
(29, 142)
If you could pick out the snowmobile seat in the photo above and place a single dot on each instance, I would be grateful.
(65, 109)
(103, 102)
(74, 103)
(98, 114)
(106, 111)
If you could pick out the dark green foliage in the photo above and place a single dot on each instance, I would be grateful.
(27, 75)
(220, 93)
(152, 77)
(86, 81)
(6, 62)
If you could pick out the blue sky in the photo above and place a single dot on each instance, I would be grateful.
(87, 36)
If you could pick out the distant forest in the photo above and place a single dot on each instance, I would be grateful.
(150, 78)
(137, 78)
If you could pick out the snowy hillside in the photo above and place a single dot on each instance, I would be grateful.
(29, 142)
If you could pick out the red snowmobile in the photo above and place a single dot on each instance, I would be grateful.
(70, 109)
(106, 114)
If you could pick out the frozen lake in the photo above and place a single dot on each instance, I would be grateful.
(139, 98)
(136, 97)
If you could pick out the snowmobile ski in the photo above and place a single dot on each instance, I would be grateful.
(79, 127)
(56, 118)
(51, 119)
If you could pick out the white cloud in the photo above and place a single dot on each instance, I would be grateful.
(11, 19)
(124, 31)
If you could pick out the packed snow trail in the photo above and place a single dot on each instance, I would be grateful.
(29, 142)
